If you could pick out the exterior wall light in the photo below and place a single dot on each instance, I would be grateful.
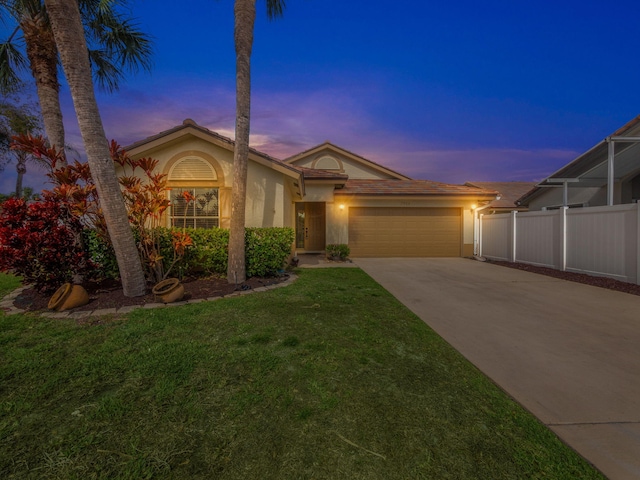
(341, 207)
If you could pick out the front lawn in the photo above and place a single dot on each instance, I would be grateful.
(329, 378)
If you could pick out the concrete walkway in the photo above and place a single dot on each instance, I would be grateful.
(568, 352)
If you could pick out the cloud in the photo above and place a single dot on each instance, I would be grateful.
(284, 123)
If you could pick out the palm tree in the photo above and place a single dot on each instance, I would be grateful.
(245, 15)
(115, 46)
(17, 120)
(67, 29)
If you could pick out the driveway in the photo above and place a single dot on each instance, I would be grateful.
(568, 352)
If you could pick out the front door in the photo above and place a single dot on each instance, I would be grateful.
(310, 226)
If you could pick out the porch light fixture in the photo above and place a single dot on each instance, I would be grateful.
(341, 207)
(473, 206)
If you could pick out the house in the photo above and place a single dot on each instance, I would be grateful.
(508, 194)
(607, 174)
(327, 194)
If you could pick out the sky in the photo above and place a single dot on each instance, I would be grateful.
(446, 91)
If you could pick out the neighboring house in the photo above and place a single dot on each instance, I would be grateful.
(607, 174)
(327, 194)
(508, 194)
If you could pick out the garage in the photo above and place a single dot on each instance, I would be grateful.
(405, 232)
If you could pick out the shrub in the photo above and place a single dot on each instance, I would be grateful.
(267, 250)
(208, 254)
(338, 251)
(102, 256)
(41, 242)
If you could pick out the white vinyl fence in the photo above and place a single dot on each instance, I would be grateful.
(601, 241)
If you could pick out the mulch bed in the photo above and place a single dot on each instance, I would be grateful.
(602, 282)
(110, 294)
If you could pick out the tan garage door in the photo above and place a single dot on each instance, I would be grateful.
(405, 232)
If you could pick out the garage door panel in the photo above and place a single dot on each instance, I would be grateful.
(405, 232)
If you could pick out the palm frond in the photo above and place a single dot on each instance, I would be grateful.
(275, 8)
(12, 61)
(119, 39)
(106, 74)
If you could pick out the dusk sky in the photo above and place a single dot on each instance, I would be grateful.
(446, 91)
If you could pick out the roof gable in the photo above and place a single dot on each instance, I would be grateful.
(352, 164)
(191, 128)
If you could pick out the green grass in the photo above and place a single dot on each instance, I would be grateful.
(329, 378)
(8, 283)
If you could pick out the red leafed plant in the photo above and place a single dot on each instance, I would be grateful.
(38, 241)
(43, 241)
(147, 204)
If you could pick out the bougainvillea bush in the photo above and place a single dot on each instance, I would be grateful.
(39, 241)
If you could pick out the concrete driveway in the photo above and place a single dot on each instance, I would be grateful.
(568, 352)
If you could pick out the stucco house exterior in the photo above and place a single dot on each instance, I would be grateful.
(326, 193)
(607, 174)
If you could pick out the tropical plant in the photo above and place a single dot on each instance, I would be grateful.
(69, 37)
(146, 203)
(38, 241)
(245, 15)
(115, 46)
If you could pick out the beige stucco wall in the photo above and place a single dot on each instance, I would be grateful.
(265, 197)
(267, 192)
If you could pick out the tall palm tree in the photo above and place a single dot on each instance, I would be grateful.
(245, 15)
(115, 46)
(66, 26)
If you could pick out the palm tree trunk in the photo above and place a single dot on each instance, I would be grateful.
(21, 169)
(245, 14)
(43, 60)
(71, 43)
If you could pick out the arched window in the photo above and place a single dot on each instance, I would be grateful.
(194, 203)
(327, 162)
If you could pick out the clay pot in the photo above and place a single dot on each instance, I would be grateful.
(169, 290)
(68, 296)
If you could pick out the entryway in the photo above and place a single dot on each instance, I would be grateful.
(310, 226)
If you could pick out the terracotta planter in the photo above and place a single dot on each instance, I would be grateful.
(68, 296)
(169, 290)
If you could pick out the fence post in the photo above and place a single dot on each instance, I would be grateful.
(480, 221)
(637, 205)
(563, 239)
(513, 236)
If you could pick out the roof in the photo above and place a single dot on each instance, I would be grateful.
(411, 188)
(590, 168)
(220, 139)
(190, 127)
(330, 146)
(317, 174)
(509, 192)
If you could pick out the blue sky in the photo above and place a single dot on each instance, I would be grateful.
(446, 91)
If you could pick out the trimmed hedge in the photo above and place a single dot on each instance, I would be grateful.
(266, 250)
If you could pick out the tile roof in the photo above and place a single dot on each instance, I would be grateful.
(409, 187)
(316, 174)
(509, 191)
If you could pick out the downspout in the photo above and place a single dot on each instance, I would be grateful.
(610, 170)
